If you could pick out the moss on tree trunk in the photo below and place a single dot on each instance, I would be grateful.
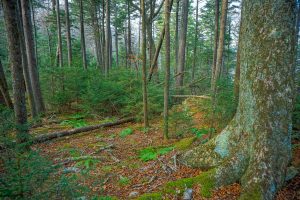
(255, 148)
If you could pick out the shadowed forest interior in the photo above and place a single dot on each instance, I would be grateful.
(150, 99)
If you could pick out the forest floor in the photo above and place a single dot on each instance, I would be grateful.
(126, 162)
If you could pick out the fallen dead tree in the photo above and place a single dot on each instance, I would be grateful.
(191, 96)
(51, 136)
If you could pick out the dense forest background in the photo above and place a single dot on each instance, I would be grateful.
(165, 71)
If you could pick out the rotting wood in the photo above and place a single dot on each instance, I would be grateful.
(51, 136)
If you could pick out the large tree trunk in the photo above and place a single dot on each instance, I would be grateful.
(182, 44)
(4, 88)
(13, 34)
(31, 58)
(215, 40)
(25, 63)
(238, 66)
(82, 36)
(59, 39)
(144, 62)
(167, 68)
(255, 148)
(68, 33)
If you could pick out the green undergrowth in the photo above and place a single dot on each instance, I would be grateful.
(152, 153)
(104, 198)
(150, 196)
(125, 132)
(123, 180)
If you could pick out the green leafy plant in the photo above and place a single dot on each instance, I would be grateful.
(123, 180)
(152, 153)
(75, 123)
(125, 132)
(86, 164)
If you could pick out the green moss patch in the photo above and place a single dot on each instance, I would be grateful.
(150, 196)
(184, 143)
(252, 194)
(205, 179)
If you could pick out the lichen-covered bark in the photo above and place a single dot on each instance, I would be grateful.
(255, 148)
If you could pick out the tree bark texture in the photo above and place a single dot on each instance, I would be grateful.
(4, 88)
(182, 43)
(255, 148)
(59, 39)
(82, 37)
(31, 58)
(144, 62)
(25, 63)
(13, 34)
(68, 33)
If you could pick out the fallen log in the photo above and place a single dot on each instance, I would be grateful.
(192, 96)
(51, 136)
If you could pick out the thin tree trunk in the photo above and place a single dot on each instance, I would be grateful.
(215, 40)
(59, 45)
(103, 36)
(96, 33)
(176, 35)
(220, 44)
(110, 48)
(144, 62)
(35, 32)
(167, 68)
(129, 50)
(159, 45)
(126, 49)
(182, 44)
(13, 34)
(31, 58)
(107, 41)
(116, 45)
(195, 42)
(68, 33)
(4, 88)
(28, 84)
(49, 46)
(82, 37)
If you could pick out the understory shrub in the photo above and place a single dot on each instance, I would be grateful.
(89, 91)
